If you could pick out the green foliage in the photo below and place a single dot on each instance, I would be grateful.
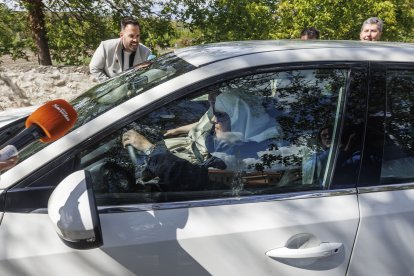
(342, 19)
(225, 20)
(285, 19)
(73, 39)
(75, 27)
(155, 19)
(185, 37)
(14, 39)
(75, 33)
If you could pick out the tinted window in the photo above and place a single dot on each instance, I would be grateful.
(348, 156)
(117, 90)
(398, 156)
(260, 134)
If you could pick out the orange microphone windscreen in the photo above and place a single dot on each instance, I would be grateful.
(55, 118)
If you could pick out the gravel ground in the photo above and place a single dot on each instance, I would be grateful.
(25, 83)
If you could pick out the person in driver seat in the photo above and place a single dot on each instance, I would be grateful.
(239, 128)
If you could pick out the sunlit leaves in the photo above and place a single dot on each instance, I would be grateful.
(13, 36)
(284, 19)
(75, 27)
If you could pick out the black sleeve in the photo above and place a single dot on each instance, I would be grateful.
(175, 173)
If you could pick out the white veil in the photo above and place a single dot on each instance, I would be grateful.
(249, 119)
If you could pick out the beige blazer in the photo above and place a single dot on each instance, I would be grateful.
(106, 61)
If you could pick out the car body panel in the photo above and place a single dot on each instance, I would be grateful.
(161, 242)
(385, 232)
(221, 236)
(208, 53)
(2, 193)
(21, 253)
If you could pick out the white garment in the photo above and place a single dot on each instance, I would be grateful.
(249, 122)
(249, 119)
(183, 147)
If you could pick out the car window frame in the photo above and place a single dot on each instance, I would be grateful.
(370, 179)
(24, 186)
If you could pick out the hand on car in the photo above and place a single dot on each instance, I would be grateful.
(7, 164)
(138, 141)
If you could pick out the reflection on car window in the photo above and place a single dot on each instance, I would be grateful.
(117, 90)
(260, 134)
(398, 156)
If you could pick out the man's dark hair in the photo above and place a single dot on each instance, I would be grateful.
(129, 20)
(311, 32)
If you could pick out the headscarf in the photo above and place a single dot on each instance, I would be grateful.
(249, 122)
(249, 119)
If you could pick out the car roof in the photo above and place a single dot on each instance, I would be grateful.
(202, 55)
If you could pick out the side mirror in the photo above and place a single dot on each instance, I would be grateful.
(72, 210)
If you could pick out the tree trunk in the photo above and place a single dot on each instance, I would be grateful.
(37, 25)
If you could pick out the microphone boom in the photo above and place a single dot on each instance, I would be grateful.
(47, 123)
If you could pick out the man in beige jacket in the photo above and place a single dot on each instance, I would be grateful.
(114, 56)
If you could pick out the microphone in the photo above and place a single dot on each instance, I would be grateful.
(47, 123)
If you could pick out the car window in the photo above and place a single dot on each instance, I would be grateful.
(398, 152)
(11, 129)
(119, 89)
(348, 155)
(260, 134)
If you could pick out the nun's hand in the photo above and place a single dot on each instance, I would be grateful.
(138, 141)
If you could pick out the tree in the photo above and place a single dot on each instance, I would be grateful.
(75, 28)
(70, 30)
(13, 38)
(284, 19)
(224, 20)
(36, 20)
(343, 19)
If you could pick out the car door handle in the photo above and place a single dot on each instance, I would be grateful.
(323, 250)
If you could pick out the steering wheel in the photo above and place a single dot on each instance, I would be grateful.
(138, 160)
(134, 156)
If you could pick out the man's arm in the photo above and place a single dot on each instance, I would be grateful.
(97, 64)
(179, 130)
(144, 52)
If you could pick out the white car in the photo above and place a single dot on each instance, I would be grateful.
(11, 115)
(312, 175)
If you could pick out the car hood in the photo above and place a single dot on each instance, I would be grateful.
(10, 115)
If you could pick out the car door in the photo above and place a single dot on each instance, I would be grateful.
(386, 186)
(286, 203)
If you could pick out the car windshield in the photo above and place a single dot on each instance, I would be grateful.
(117, 90)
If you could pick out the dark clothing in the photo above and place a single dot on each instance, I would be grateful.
(347, 167)
(239, 149)
(177, 174)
